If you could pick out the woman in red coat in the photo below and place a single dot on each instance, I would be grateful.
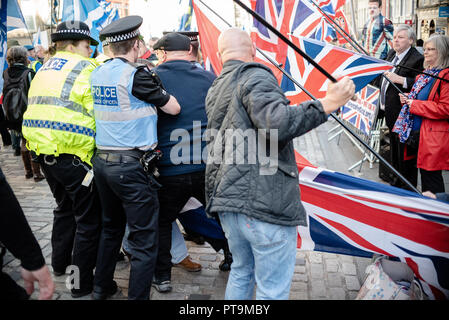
(427, 109)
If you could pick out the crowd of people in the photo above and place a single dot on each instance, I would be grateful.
(121, 140)
(413, 99)
(105, 145)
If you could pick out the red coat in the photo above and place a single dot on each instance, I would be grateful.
(433, 151)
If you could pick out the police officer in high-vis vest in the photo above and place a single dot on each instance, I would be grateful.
(126, 99)
(34, 64)
(59, 127)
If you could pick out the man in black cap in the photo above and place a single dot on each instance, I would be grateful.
(60, 131)
(181, 173)
(125, 102)
(194, 53)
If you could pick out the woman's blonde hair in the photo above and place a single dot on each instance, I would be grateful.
(441, 43)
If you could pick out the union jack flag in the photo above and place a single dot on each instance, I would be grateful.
(357, 217)
(292, 19)
(361, 114)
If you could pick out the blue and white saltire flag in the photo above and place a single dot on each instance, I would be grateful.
(15, 18)
(54, 12)
(3, 38)
(186, 19)
(96, 14)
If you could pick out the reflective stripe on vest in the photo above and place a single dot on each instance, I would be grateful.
(40, 100)
(71, 78)
(55, 125)
(122, 120)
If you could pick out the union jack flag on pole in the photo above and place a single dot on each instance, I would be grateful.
(292, 21)
(357, 217)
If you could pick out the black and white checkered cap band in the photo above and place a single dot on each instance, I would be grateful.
(84, 32)
(121, 37)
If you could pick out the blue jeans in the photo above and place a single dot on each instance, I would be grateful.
(263, 254)
(178, 249)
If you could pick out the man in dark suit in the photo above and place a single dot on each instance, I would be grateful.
(403, 158)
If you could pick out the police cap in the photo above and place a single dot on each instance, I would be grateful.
(121, 30)
(193, 35)
(173, 41)
(73, 30)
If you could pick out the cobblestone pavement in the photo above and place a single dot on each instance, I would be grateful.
(318, 276)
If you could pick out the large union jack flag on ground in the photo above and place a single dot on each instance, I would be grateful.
(353, 216)
(292, 19)
(362, 113)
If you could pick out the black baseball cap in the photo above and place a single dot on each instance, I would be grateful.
(173, 41)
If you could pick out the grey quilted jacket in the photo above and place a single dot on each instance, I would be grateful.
(246, 111)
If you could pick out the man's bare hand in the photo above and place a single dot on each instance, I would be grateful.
(44, 279)
(338, 94)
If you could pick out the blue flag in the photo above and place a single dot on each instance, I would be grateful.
(3, 31)
(96, 14)
(15, 18)
(186, 19)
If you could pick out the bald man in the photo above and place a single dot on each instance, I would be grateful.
(256, 195)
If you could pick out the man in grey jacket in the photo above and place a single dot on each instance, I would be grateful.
(252, 184)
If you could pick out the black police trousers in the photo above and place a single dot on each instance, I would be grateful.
(77, 217)
(128, 195)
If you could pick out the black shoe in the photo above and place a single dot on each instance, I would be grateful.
(17, 152)
(163, 286)
(225, 265)
(77, 293)
(103, 294)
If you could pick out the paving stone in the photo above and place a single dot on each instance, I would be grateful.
(349, 269)
(318, 289)
(337, 294)
(334, 279)
(300, 269)
(352, 283)
(331, 265)
(316, 271)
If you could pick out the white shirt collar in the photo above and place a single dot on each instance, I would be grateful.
(402, 55)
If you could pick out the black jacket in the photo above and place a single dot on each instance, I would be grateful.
(15, 232)
(412, 59)
(245, 102)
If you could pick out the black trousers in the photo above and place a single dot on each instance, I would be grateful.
(77, 218)
(407, 168)
(432, 181)
(6, 136)
(173, 195)
(128, 195)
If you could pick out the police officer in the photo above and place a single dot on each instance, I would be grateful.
(60, 131)
(34, 64)
(125, 101)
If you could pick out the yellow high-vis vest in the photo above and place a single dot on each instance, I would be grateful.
(59, 118)
(33, 64)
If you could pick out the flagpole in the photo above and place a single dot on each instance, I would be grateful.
(354, 25)
(352, 42)
(368, 147)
